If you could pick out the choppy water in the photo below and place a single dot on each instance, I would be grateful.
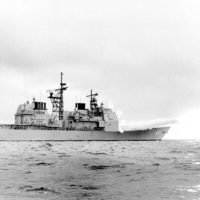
(100, 170)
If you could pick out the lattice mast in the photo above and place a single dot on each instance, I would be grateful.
(56, 98)
(93, 101)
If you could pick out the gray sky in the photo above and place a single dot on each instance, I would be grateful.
(141, 56)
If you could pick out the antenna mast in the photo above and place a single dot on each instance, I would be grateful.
(56, 98)
(93, 101)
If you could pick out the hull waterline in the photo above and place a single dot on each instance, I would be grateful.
(58, 135)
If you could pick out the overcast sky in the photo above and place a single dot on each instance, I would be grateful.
(141, 56)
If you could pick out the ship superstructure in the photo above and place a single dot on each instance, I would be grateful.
(96, 118)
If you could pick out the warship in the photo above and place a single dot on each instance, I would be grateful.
(97, 123)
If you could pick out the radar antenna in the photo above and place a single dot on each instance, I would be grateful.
(56, 98)
(93, 101)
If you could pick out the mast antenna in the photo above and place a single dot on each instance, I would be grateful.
(93, 102)
(57, 101)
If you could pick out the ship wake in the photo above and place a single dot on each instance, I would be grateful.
(143, 125)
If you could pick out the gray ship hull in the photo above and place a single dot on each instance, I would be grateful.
(58, 135)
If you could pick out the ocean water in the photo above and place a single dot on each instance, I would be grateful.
(100, 170)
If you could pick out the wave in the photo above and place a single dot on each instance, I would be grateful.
(30, 188)
(96, 153)
(88, 187)
(42, 164)
(46, 145)
(102, 167)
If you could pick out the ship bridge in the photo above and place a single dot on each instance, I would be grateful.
(34, 113)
